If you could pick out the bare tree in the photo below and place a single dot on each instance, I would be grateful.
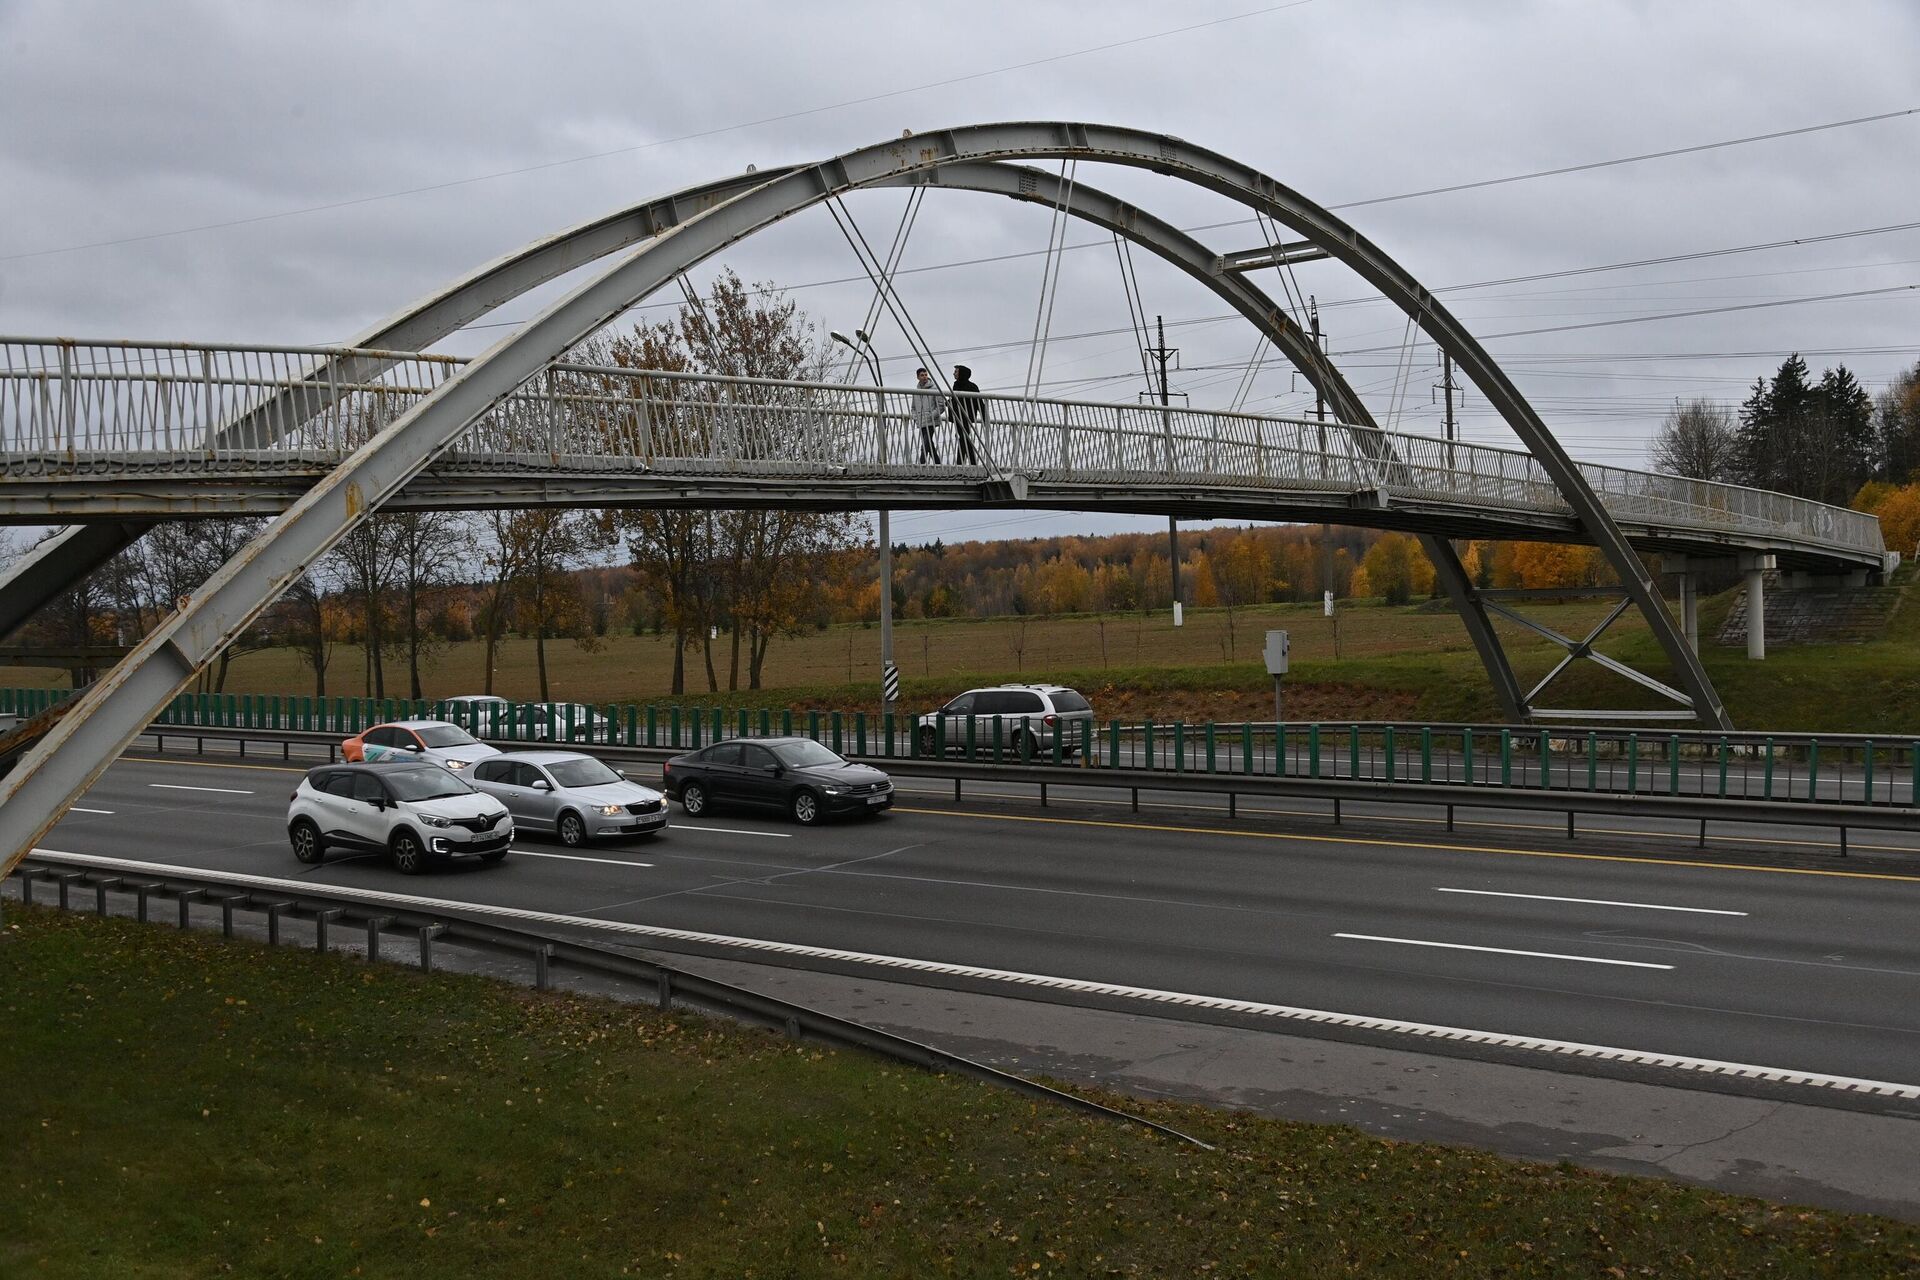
(305, 624)
(427, 546)
(551, 544)
(178, 556)
(1698, 440)
(366, 565)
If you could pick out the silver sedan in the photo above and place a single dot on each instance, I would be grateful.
(573, 796)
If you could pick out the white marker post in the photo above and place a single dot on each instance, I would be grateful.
(1276, 656)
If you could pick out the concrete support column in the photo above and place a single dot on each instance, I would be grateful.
(1755, 567)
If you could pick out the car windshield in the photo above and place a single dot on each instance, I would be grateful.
(425, 784)
(802, 755)
(582, 773)
(445, 735)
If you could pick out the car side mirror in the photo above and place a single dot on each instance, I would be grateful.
(779, 771)
(381, 802)
(414, 747)
(542, 785)
(620, 773)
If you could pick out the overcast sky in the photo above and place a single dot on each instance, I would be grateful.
(268, 172)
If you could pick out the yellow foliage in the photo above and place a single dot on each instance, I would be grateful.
(1899, 514)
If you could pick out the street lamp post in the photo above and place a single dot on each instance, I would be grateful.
(889, 674)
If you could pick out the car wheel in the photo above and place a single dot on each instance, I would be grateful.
(307, 845)
(573, 832)
(1024, 746)
(693, 799)
(409, 859)
(498, 855)
(806, 808)
(929, 740)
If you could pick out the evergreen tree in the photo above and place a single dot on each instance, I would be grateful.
(1814, 440)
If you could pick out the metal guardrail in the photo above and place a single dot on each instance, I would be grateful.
(1785, 767)
(1337, 792)
(382, 915)
(74, 408)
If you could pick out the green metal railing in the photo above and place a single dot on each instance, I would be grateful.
(1805, 768)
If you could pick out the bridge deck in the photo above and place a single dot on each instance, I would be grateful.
(113, 430)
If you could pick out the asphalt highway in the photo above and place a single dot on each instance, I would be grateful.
(1767, 949)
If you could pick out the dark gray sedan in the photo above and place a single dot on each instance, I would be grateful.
(573, 796)
(795, 774)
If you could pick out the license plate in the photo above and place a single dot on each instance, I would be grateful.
(643, 823)
(880, 799)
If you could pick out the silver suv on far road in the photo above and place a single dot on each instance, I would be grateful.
(1031, 717)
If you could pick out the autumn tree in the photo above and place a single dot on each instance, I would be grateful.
(1896, 421)
(751, 571)
(1397, 569)
(427, 550)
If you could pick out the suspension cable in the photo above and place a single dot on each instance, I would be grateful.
(895, 305)
(1136, 306)
(1049, 283)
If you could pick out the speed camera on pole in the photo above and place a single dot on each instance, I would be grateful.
(1276, 656)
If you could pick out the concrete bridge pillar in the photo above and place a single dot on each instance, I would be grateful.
(1755, 567)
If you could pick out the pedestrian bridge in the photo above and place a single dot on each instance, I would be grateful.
(109, 437)
(124, 430)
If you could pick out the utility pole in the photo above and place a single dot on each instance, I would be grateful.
(1446, 389)
(1320, 414)
(1161, 355)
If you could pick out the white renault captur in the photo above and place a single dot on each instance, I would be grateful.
(409, 812)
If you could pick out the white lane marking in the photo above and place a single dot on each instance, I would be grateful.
(736, 831)
(174, 786)
(574, 857)
(1500, 951)
(1256, 1008)
(74, 808)
(1595, 902)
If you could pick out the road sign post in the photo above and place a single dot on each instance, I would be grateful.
(1276, 656)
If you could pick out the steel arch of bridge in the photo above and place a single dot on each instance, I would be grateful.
(686, 228)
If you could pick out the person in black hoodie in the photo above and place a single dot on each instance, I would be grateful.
(964, 408)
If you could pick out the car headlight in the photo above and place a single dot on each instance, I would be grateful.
(833, 791)
(610, 810)
(432, 821)
(455, 765)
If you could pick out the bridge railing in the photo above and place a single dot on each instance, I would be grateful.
(74, 408)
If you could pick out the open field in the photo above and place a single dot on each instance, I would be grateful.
(1412, 662)
(183, 1106)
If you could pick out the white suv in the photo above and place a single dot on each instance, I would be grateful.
(409, 812)
(1031, 716)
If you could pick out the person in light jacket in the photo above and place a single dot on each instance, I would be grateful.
(927, 412)
(964, 408)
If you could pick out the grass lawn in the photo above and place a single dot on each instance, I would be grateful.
(1413, 662)
(179, 1106)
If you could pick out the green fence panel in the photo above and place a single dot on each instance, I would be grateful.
(1086, 740)
(1179, 745)
(813, 725)
(1546, 761)
(1723, 769)
(1146, 746)
(1766, 774)
(673, 726)
(1426, 754)
(1211, 766)
(1866, 770)
(1466, 753)
(696, 724)
(719, 724)
(766, 722)
(1813, 770)
(1506, 757)
(1387, 750)
(972, 738)
(1113, 745)
(1313, 750)
(1633, 762)
(1246, 748)
(1353, 752)
(1280, 765)
(1673, 764)
(859, 733)
(886, 727)
(786, 722)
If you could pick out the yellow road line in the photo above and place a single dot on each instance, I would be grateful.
(1414, 844)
